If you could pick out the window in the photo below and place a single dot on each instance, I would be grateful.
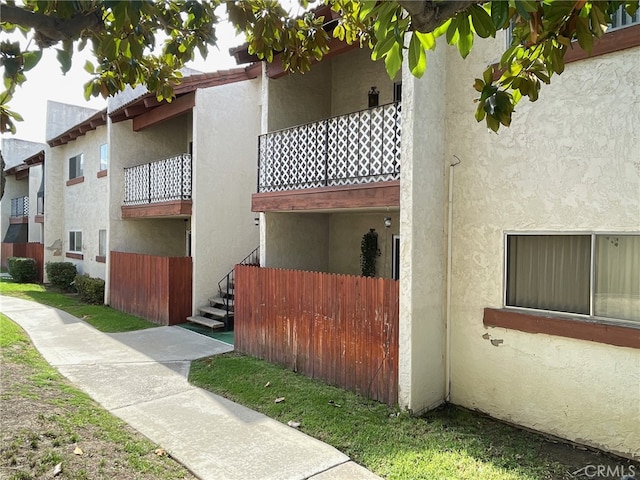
(102, 243)
(104, 156)
(587, 274)
(75, 241)
(397, 92)
(395, 257)
(75, 166)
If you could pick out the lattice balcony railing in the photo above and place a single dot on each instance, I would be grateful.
(359, 147)
(161, 181)
(20, 207)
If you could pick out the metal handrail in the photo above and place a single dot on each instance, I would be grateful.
(353, 148)
(228, 281)
(159, 181)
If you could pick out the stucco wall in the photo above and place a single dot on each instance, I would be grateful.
(35, 180)
(569, 162)
(296, 241)
(224, 173)
(55, 176)
(422, 237)
(352, 76)
(345, 236)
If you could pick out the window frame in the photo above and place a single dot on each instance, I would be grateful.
(75, 250)
(591, 317)
(104, 161)
(79, 172)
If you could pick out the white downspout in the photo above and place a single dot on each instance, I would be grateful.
(447, 348)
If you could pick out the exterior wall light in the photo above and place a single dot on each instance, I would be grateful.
(374, 97)
(256, 221)
(387, 222)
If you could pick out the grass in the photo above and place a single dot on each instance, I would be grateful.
(102, 317)
(45, 418)
(445, 444)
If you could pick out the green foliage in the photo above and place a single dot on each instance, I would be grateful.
(123, 38)
(61, 274)
(369, 253)
(90, 289)
(22, 270)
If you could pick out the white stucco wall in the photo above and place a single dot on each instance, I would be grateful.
(224, 177)
(345, 235)
(570, 162)
(35, 180)
(82, 206)
(422, 237)
(295, 240)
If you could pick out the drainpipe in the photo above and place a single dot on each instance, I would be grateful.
(447, 348)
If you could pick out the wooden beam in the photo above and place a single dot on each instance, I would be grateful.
(380, 194)
(176, 208)
(135, 110)
(165, 112)
(337, 47)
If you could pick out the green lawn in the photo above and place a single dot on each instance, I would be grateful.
(449, 443)
(102, 317)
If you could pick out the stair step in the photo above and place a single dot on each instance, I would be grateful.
(206, 321)
(221, 301)
(217, 312)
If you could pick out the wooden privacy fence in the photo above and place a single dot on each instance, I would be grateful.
(28, 250)
(338, 328)
(152, 287)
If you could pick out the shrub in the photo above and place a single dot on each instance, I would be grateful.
(90, 289)
(61, 274)
(22, 270)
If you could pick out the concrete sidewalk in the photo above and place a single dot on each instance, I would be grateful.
(141, 377)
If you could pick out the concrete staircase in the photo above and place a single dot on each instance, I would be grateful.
(218, 314)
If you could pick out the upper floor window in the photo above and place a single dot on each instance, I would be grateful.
(102, 243)
(76, 165)
(104, 156)
(75, 241)
(587, 274)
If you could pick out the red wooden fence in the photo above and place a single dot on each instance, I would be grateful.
(338, 328)
(155, 288)
(27, 250)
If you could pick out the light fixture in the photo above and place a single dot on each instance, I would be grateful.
(256, 221)
(374, 97)
(387, 222)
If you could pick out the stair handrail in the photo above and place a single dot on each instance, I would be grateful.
(229, 279)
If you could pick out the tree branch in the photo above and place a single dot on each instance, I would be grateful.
(49, 29)
(426, 15)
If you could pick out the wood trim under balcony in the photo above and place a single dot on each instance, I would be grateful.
(175, 208)
(379, 194)
(39, 219)
(18, 220)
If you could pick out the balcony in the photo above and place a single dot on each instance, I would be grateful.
(19, 210)
(359, 150)
(158, 189)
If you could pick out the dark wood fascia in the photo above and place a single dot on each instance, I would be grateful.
(77, 256)
(39, 219)
(165, 112)
(615, 41)
(381, 194)
(102, 173)
(570, 327)
(164, 209)
(18, 220)
(75, 181)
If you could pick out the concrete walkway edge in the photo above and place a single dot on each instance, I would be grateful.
(141, 377)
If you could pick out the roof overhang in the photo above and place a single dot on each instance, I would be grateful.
(91, 123)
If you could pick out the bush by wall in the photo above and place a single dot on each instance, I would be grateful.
(61, 274)
(90, 289)
(22, 270)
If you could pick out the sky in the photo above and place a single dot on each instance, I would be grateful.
(46, 82)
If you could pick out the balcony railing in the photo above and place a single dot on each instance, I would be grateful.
(161, 181)
(20, 207)
(359, 147)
